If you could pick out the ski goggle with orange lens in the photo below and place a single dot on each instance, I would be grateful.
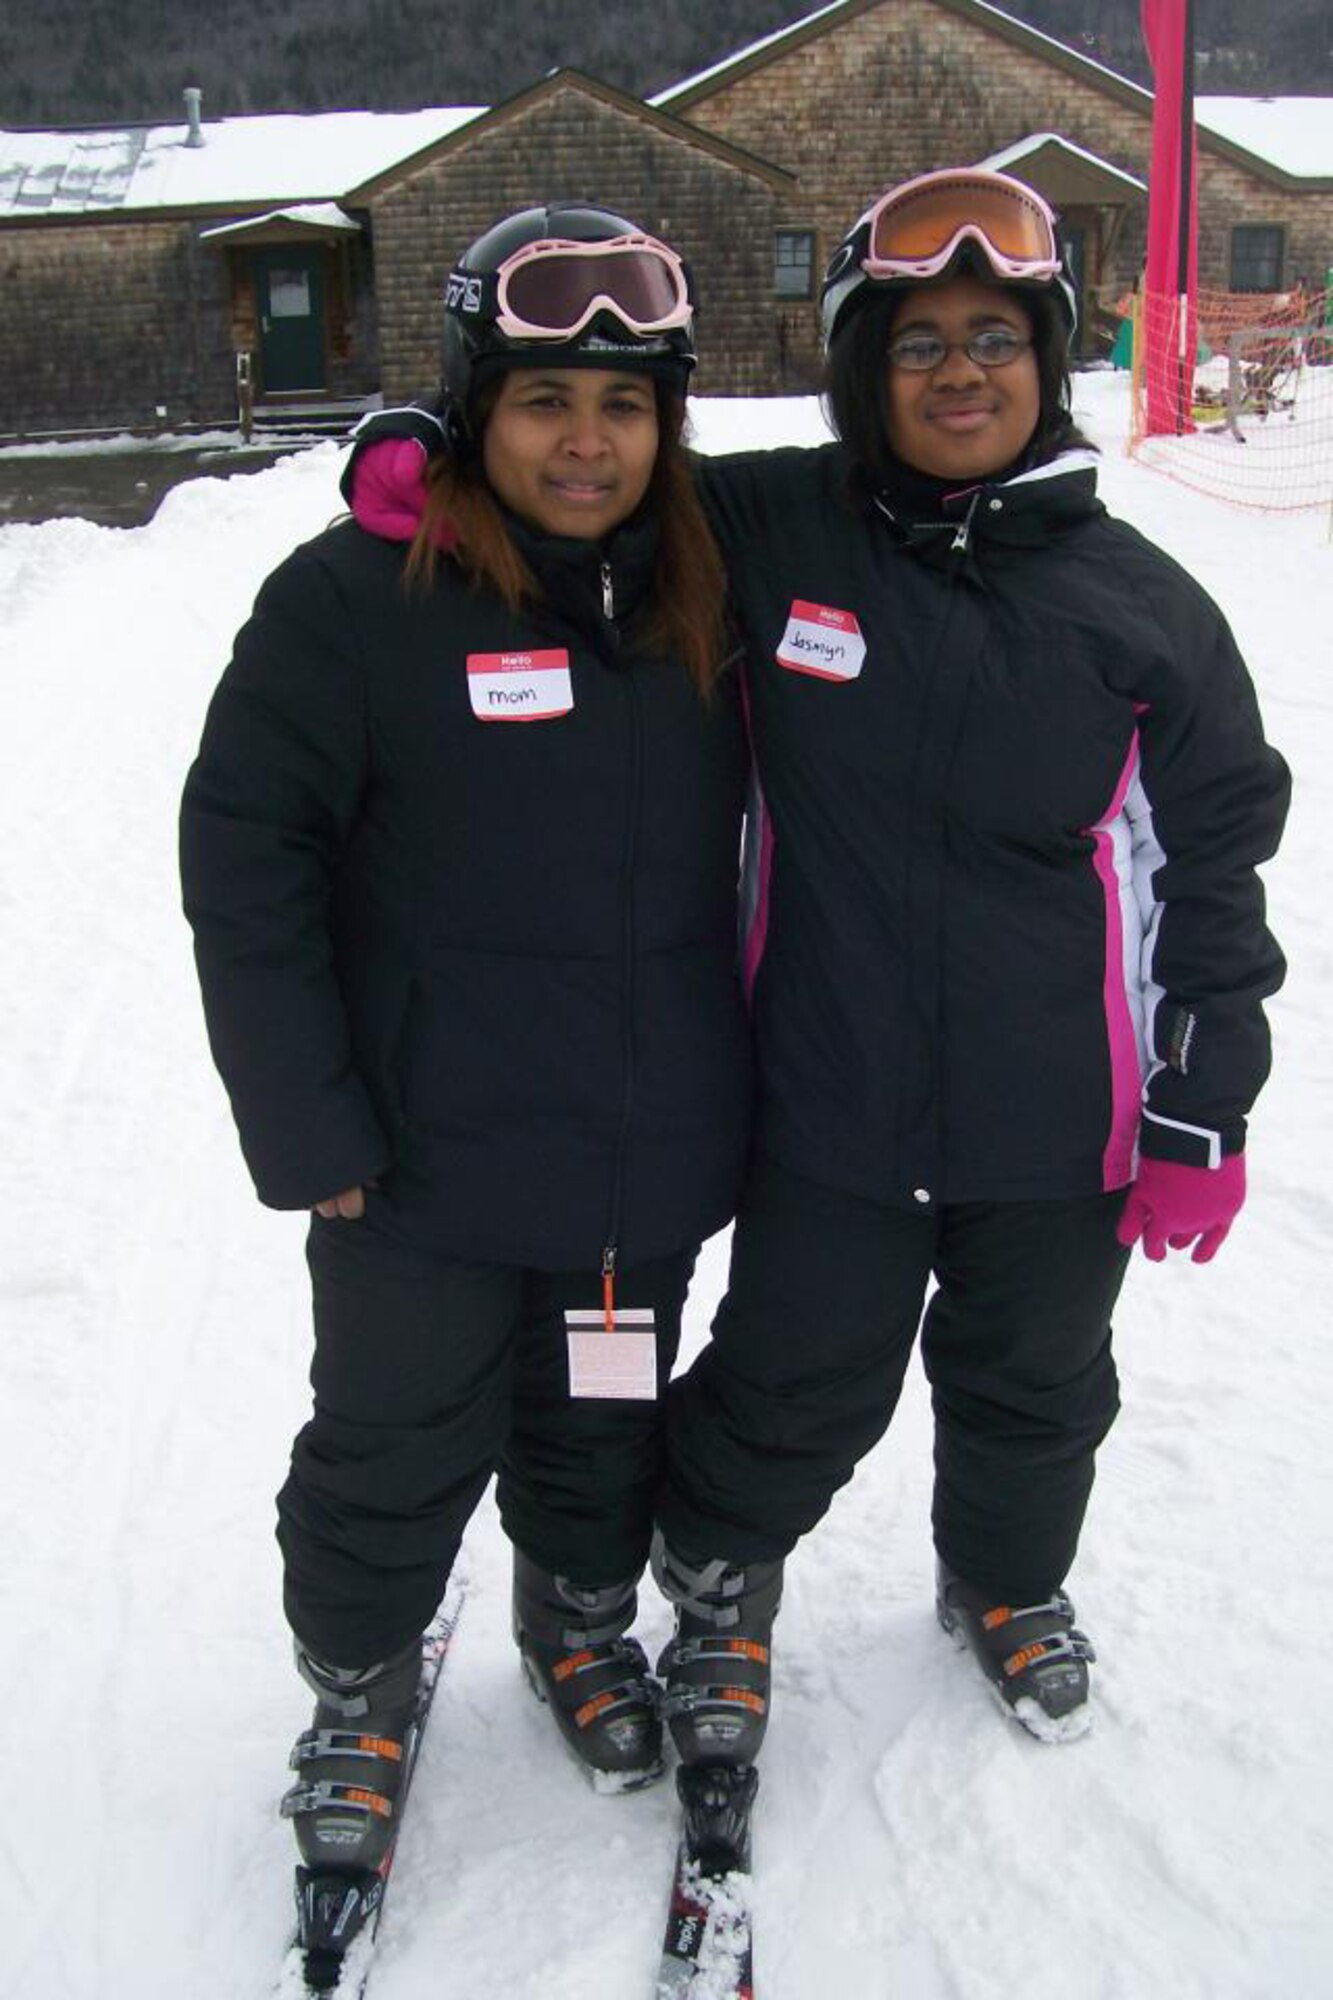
(914, 231)
(553, 289)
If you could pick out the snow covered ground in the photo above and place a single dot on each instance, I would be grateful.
(153, 1343)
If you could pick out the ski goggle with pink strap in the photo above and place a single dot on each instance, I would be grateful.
(553, 289)
(914, 231)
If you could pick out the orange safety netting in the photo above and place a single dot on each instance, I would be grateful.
(1259, 428)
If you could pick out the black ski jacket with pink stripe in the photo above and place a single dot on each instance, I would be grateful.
(1004, 923)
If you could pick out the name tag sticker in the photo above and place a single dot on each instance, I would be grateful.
(621, 1363)
(519, 687)
(821, 641)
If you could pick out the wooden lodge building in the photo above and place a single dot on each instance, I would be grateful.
(142, 267)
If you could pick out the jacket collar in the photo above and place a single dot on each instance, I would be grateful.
(1019, 509)
(575, 574)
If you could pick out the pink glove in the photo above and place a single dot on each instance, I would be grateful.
(1171, 1203)
(389, 490)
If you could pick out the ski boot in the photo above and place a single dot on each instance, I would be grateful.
(596, 1682)
(716, 1668)
(1033, 1655)
(350, 1762)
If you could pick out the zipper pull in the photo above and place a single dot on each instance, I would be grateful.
(609, 611)
(609, 1286)
(964, 530)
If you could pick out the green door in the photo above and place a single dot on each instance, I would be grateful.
(289, 294)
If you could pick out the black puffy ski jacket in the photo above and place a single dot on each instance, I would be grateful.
(1004, 920)
(463, 890)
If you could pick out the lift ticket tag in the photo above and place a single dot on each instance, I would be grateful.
(621, 1362)
(520, 687)
(821, 641)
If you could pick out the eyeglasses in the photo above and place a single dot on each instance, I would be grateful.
(919, 353)
(914, 230)
(551, 290)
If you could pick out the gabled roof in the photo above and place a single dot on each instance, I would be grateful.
(681, 96)
(741, 61)
(523, 101)
(1100, 176)
(1264, 146)
(243, 162)
(310, 219)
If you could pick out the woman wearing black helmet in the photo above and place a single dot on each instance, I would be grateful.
(1006, 946)
(1008, 1000)
(459, 851)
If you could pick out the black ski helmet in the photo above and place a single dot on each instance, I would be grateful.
(473, 349)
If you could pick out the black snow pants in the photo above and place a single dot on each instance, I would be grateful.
(811, 1344)
(429, 1375)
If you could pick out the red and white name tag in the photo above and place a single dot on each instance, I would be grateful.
(519, 687)
(620, 1363)
(821, 641)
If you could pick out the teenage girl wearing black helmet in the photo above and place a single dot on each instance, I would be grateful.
(1008, 1000)
(1005, 942)
(460, 855)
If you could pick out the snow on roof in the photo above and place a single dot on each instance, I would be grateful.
(1293, 133)
(288, 156)
(325, 215)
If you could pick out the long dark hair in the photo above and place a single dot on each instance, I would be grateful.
(687, 611)
(856, 382)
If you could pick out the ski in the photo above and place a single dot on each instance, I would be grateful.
(708, 1945)
(338, 1915)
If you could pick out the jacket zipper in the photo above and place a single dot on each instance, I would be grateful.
(610, 1251)
(963, 532)
(926, 788)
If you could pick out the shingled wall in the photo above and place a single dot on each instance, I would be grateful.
(907, 85)
(105, 321)
(569, 145)
(135, 324)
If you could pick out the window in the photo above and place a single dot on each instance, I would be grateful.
(794, 263)
(288, 293)
(1256, 257)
